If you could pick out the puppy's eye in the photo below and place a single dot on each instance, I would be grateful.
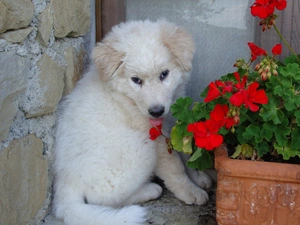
(164, 75)
(137, 80)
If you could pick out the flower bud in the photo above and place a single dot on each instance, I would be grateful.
(275, 73)
(239, 63)
(269, 75)
(269, 26)
(232, 130)
(233, 112)
(274, 65)
(262, 22)
(263, 75)
(265, 61)
(267, 68)
(260, 71)
(257, 67)
(236, 119)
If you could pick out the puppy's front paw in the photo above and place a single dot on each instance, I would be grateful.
(192, 195)
(201, 179)
(153, 191)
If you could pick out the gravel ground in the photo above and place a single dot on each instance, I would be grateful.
(168, 210)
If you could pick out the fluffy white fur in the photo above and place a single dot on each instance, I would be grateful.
(104, 158)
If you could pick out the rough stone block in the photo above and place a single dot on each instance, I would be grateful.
(13, 73)
(45, 27)
(74, 68)
(16, 36)
(66, 12)
(15, 14)
(50, 88)
(23, 180)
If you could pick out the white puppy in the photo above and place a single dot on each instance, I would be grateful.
(104, 158)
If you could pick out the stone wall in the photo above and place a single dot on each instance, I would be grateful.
(44, 47)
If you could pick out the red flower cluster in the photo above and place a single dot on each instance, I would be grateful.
(206, 133)
(241, 94)
(248, 96)
(265, 8)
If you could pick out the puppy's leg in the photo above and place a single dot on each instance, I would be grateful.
(198, 177)
(169, 168)
(148, 191)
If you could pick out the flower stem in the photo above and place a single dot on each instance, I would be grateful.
(285, 42)
(248, 117)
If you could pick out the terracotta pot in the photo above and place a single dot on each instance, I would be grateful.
(258, 193)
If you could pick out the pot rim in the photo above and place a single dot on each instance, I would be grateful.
(255, 169)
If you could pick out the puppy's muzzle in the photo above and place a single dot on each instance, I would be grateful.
(156, 111)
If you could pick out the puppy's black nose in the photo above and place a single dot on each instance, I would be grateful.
(156, 111)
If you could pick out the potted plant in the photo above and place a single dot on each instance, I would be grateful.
(255, 114)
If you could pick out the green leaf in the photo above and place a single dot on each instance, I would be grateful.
(297, 115)
(286, 151)
(291, 59)
(251, 131)
(186, 116)
(240, 131)
(200, 111)
(268, 130)
(291, 70)
(278, 90)
(201, 160)
(262, 148)
(187, 147)
(182, 129)
(238, 151)
(181, 104)
(295, 138)
(289, 101)
(204, 92)
(282, 131)
(271, 112)
(176, 139)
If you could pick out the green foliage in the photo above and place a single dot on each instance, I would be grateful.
(275, 127)
(201, 160)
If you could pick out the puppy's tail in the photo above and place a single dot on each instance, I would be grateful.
(75, 213)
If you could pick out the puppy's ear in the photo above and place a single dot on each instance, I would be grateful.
(106, 59)
(179, 42)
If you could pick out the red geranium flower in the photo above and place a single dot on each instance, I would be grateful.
(279, 4)
(155, 132)
(213, 92)
(255, 96)
(249, 96)
(256, 51)
(220, 115)
(276, 50)
(238, 98)
(263, 8)
(240, 85)
(225, 86)
(205, 134)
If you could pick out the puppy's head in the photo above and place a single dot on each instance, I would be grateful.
(147, 62)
